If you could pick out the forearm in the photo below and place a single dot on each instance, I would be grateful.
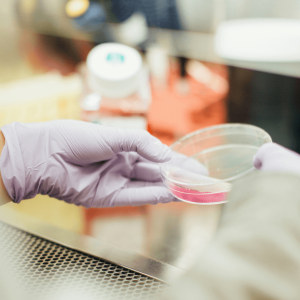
(255, 254)
(4, 197)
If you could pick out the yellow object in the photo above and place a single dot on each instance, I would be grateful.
(28, 6)
(37, 99)
(52, 211)
(40, 98)
(76, 8)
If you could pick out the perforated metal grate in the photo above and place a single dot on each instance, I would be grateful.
(45, 267)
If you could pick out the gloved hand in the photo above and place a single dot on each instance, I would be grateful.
(273, 157)
(83, 163)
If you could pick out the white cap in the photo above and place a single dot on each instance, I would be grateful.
(259, 39)
(114, 70)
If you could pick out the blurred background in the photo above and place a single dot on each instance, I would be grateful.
(178, 84)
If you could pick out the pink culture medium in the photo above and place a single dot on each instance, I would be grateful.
(193, 196)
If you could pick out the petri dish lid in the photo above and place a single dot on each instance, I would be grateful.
(207, 160)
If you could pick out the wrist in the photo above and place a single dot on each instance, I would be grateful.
(4, 197)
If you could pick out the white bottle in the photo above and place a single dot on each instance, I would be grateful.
(119, 87)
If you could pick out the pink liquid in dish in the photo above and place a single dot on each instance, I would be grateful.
(198, 197)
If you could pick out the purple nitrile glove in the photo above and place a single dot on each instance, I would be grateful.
(273, 157)
(83, 163)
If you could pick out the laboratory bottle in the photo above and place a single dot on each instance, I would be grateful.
(117, 90)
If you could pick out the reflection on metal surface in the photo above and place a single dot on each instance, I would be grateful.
(173, 233)
(119, 256)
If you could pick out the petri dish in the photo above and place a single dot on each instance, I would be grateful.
(206, 162)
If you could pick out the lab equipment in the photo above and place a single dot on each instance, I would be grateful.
(82, 163)
(273, 157)
(114, 70)
(259, 39)
(116, 77)
(206, 161)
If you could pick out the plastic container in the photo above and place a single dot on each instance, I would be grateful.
(114, 70)
(117, 89)
(207, 161)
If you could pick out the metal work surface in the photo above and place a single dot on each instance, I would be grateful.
(91, 246)
(44, 268)
(175, 233)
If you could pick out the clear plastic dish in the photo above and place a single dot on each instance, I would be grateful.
(207, 161)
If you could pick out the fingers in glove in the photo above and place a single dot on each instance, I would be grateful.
(86, 143)
(260, 156)
(267, 153)
(146, 171)
(139, 141)
(194, 166)
(274, 157)
(182, 162)
(140, 193)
